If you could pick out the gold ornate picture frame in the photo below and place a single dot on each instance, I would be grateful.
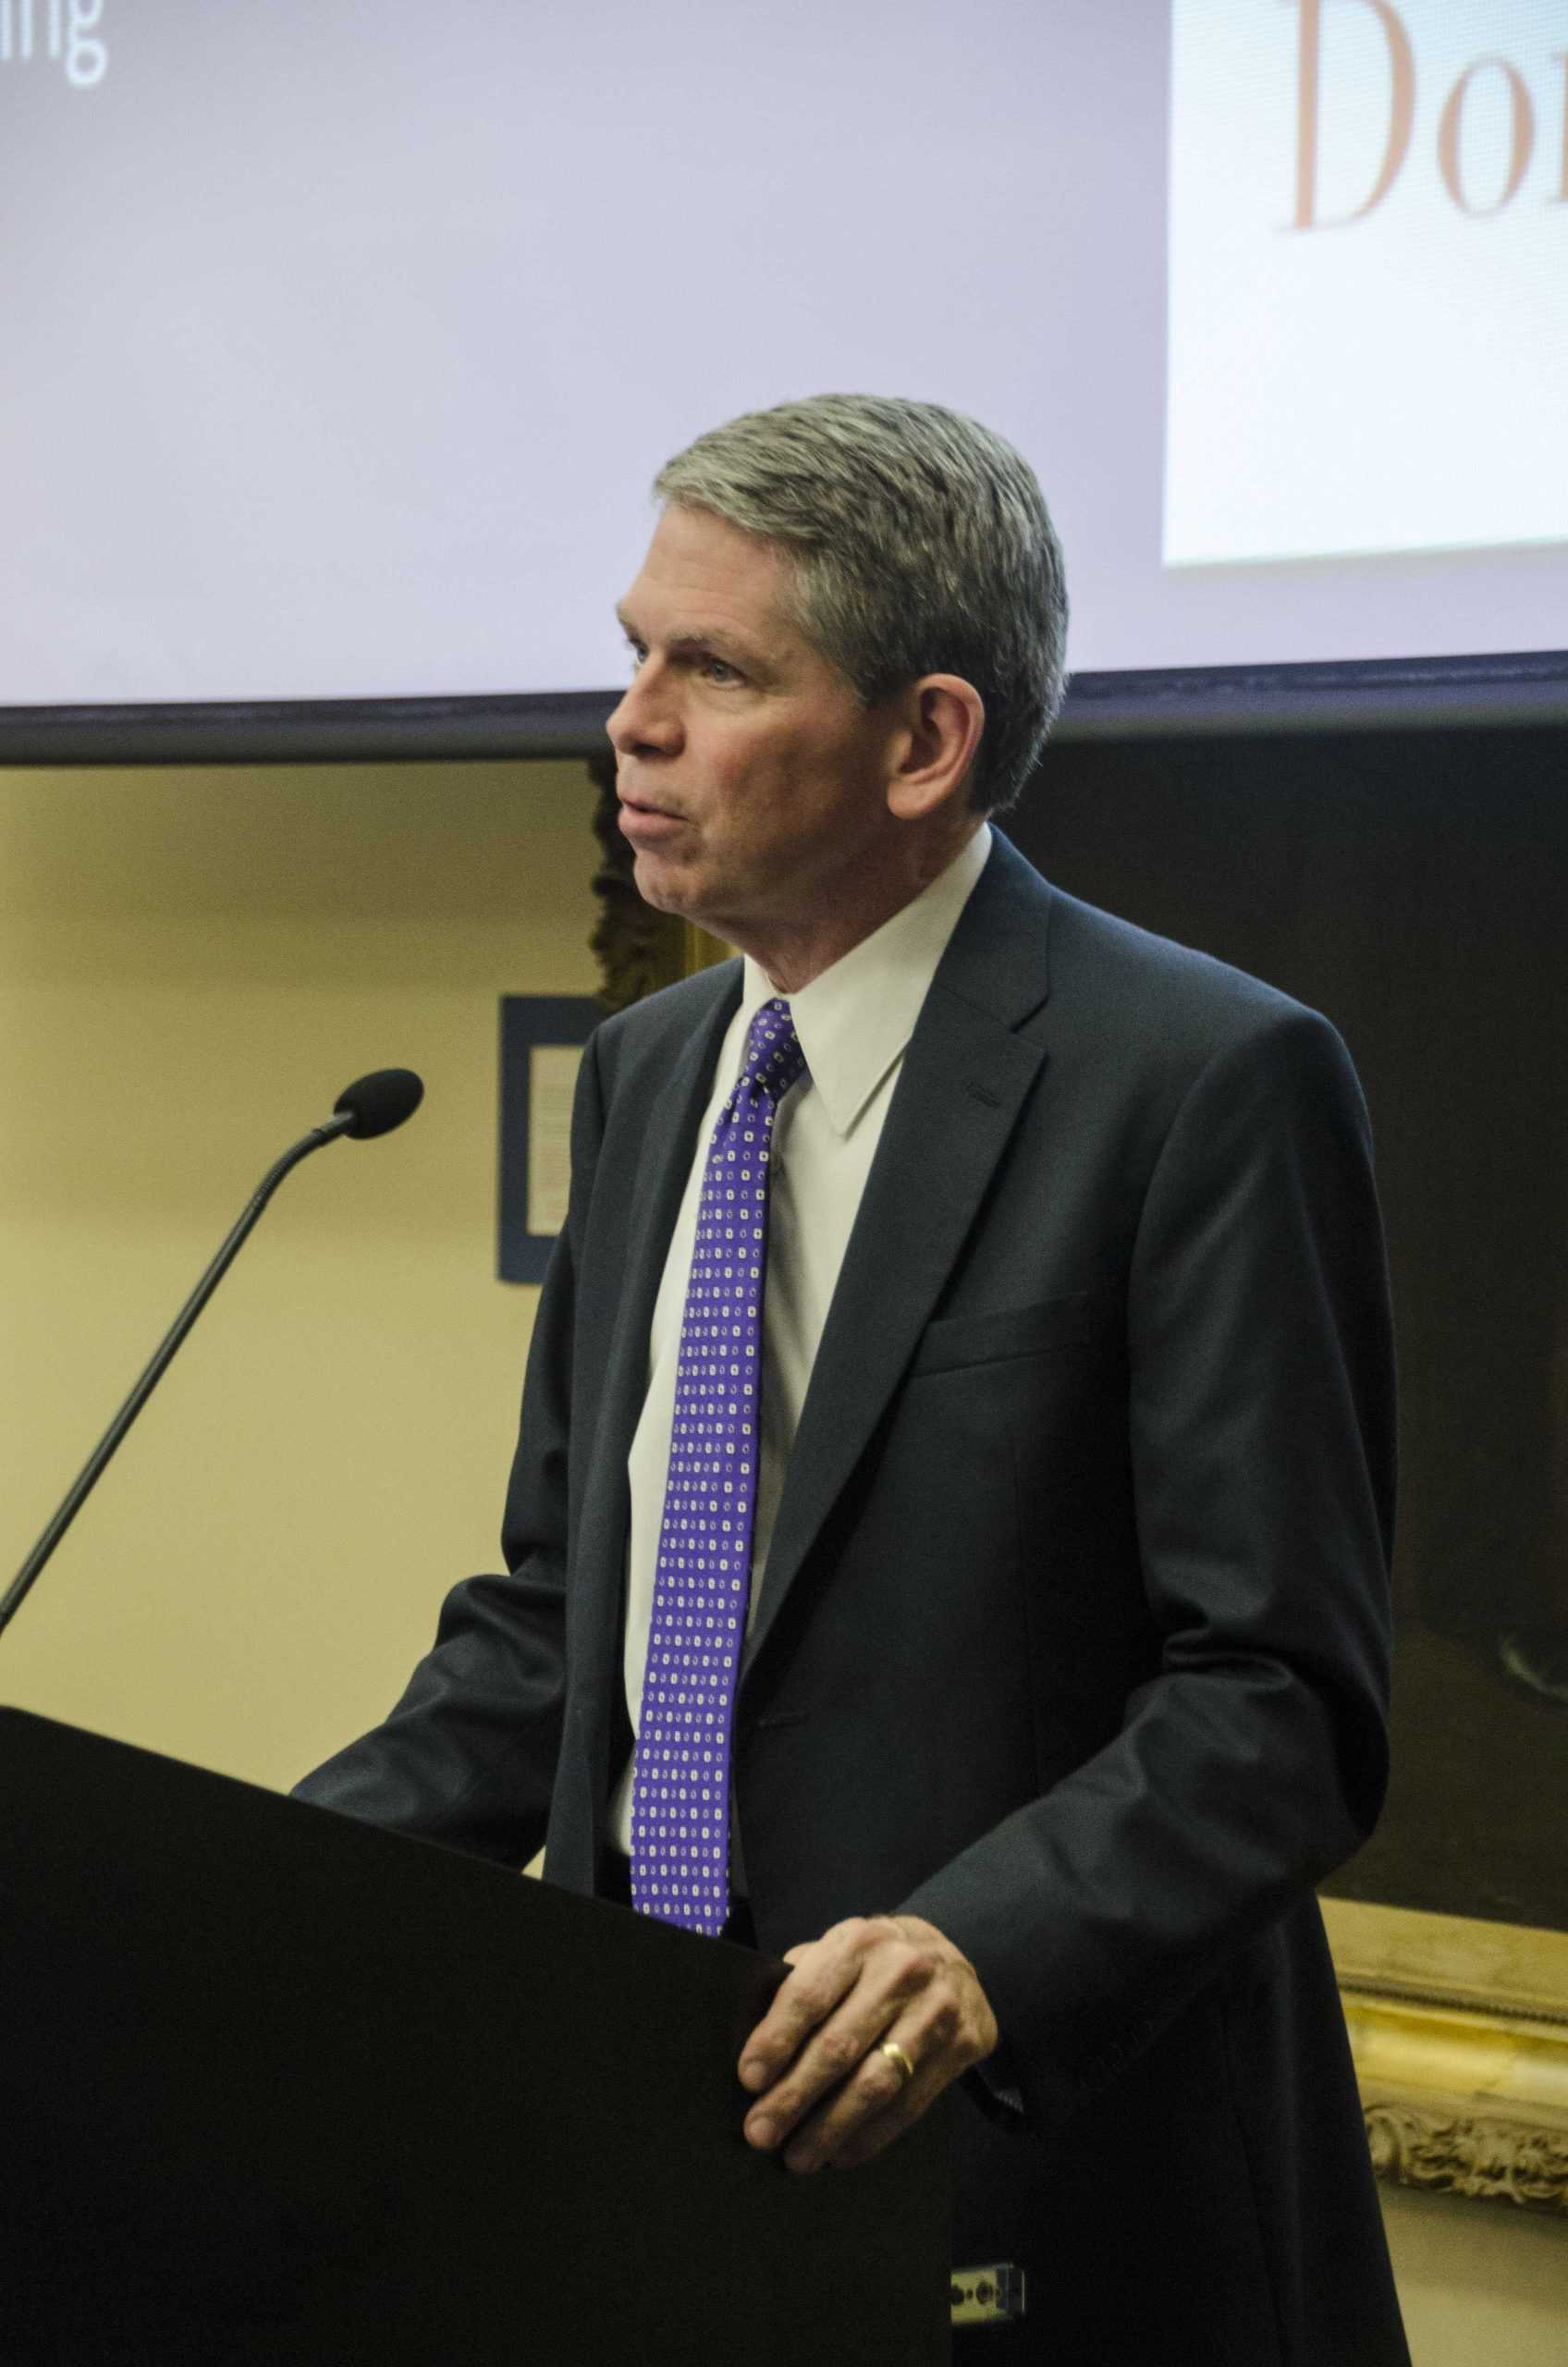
(1459, 2030)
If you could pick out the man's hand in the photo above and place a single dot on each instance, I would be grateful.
(823, 2090)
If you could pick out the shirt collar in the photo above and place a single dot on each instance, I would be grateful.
(856, 1017)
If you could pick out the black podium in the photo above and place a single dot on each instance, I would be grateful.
(274, 2086)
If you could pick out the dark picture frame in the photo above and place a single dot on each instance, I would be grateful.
(532, 1127)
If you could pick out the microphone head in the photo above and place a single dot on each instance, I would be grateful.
(378, 1102)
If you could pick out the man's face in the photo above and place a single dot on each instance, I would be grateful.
(751, 778)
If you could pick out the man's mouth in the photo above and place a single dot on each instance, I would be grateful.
(640, 819)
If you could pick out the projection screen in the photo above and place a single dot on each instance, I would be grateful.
(340, 343)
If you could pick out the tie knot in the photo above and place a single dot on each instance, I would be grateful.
(773, 1057)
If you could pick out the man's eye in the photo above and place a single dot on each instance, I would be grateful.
(634, 655)
(720, 669)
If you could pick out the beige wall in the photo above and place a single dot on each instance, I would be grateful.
(1482, 2284)
(191, 963)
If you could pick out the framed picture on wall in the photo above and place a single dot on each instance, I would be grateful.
(542, 1041)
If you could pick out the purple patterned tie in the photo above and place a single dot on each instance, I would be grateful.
(680, 1795)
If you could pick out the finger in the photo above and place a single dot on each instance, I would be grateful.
(873, 2135)
(875, 2087)
(873, 2108)
(824, 1973)
(843, 2074)
(819, 1978)
(936, 2034)
(834, 2050)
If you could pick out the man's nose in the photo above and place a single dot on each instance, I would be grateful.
(645, 719)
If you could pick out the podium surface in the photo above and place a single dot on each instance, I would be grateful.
(278, 2086)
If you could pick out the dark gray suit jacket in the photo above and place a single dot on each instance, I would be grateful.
(1074, 1635)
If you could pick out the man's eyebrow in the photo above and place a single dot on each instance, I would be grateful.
(684, 644)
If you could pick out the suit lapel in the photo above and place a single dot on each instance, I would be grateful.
(965, 1076)
(659, 1161)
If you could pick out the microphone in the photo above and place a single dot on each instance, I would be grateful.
(371, 1106)
(374, 1105)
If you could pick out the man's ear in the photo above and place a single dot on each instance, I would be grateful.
(943, 718)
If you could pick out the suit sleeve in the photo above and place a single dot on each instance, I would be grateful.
(1260, 1416)
(468, 1756)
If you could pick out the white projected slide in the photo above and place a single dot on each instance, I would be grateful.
(1368, 277)
(339, 344)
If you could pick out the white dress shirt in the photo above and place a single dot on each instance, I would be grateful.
(854, 1022)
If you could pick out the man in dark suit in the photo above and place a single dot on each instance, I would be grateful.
(1065, 1654)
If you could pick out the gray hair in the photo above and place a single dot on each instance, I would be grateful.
(920, 543)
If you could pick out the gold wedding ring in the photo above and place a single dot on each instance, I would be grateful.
(898, 2058)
